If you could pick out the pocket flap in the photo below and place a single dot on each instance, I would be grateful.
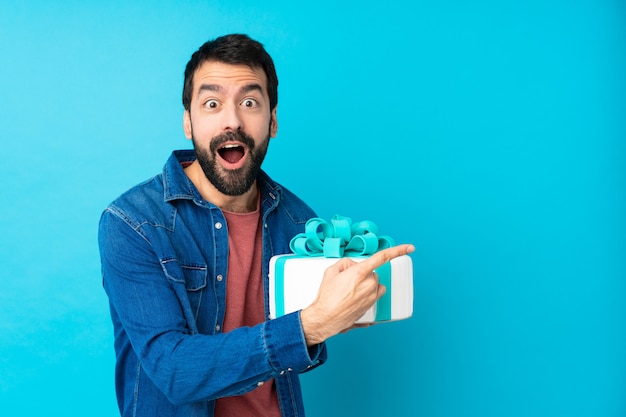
(194, 276)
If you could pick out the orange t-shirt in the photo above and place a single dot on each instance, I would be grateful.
(245, 306)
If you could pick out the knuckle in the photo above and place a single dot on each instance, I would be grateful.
(371, 285)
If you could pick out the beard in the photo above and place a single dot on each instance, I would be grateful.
(231, 182)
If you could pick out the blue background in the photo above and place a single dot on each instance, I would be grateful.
(490, 134)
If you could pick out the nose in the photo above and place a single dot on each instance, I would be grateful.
(231, 119)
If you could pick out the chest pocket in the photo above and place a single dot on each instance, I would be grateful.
(189, 282)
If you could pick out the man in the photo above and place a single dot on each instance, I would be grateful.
(185, 260)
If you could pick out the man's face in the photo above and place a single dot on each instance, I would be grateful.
(230, 123)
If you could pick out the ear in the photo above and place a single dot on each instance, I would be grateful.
(273, 124)
(187, 124)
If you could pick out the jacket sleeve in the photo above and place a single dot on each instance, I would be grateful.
(186, 366)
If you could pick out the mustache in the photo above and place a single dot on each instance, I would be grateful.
(231, 136)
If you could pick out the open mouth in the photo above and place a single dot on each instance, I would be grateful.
(231, 153)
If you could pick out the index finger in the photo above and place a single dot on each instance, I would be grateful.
(384, 256)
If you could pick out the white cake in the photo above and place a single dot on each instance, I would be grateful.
(294, 281)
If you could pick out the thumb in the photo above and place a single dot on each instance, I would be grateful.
(380, 291)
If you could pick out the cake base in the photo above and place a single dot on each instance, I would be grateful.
(294, 282)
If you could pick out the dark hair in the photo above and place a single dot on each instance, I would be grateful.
(235, 49)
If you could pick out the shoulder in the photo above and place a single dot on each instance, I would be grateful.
(142, 192)
(288, 203)
(139, 204)
(292, 200)
(152, 201)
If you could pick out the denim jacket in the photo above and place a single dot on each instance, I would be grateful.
(164, 253)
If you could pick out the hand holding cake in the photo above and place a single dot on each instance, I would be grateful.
(347, 291)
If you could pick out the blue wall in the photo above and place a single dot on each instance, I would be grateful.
(489, 134)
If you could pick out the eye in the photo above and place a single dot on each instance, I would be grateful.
(211, 104)
(250, 103)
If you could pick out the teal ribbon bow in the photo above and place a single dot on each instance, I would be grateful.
(339, 238)
(336, 239)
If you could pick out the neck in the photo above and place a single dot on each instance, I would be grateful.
(244, 203)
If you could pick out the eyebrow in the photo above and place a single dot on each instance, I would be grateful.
(218, 88)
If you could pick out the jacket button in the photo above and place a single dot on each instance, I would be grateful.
(220, 277)
(217, 327)
(218, 225)
(259, 383)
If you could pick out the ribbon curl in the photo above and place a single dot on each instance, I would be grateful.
(339, 238)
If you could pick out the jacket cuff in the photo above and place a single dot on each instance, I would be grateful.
(286, 346)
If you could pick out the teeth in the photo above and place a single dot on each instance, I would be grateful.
(230, 146)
